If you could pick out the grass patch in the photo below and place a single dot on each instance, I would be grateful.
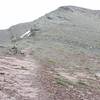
(64, 82)
(61, 81)
(82, 83)
(51, 61)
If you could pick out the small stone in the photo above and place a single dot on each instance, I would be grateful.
(97, 74)
(1, 73)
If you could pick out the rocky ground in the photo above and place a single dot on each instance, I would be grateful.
(18, 79)
(59, 60)
(22, 78)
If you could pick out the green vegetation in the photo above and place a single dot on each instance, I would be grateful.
(61, 81)
(82, 83)
(51, 61)
(64, 82)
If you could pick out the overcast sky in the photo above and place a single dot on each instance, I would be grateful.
(18, 11)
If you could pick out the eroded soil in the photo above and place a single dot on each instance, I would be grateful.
(23, 78)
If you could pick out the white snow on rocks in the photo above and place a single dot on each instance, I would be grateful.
(28, 33)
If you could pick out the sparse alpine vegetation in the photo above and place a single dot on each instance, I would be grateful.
(56, 57)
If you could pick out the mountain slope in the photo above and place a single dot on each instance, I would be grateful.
(74, 25)
(66, 42)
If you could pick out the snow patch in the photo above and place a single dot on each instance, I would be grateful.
(28, 33)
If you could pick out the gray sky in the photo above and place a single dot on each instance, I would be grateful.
(18, 11)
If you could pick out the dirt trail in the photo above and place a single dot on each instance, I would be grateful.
(23, 78)
(19, 81)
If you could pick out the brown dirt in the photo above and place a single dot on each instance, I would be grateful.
(18, 79)
(24, 79)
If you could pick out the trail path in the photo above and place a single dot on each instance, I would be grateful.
(19, 79)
